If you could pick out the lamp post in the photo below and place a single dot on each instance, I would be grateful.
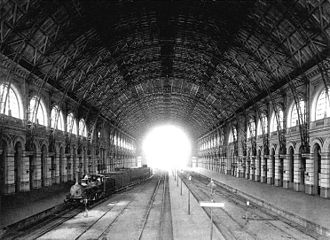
(211, 185)
(189, 197)
(181, 183)
(181, 186)
(247, 212)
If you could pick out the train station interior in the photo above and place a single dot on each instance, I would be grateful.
(224, 101)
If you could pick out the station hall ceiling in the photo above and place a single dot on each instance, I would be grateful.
(137, 63)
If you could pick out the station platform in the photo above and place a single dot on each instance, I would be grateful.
(310, 211)
(195, 226)
(15, 208)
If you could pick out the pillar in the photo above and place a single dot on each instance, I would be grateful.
(85, 162)
(38, 170)
(48, 171)
(325, 175)
(299, 174)
(270, 177)
(257, 172)
(264, 167)
(25, 177)
(278, 178)
(286, 171)
(69, 167)
(57, 167)
(309, 174)
(247, 167)
(252, 168)
(228, 166)
(9, 173)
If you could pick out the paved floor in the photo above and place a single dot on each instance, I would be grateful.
(301, 205)
(193, 226)
(23, 205)
(197, 224)
(119, 217)
(122, 216)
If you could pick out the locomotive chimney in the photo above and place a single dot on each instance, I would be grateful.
(77, 181)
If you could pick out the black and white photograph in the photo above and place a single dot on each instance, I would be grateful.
(165, 119)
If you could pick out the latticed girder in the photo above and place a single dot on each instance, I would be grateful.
(205, 60)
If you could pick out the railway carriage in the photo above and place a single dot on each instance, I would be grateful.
(96, 186)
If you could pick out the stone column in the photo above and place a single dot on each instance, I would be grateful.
(95, 162)
(69, 167)
(89, 164)
(85, 162)
(228, 166)
(248, 168)
(64, 168)
(325, 175)
(38, 170)
(9, 173)
(278, 172)
(252, 170)
(57, 167)
(299, 174)
(75, 164)
(240, 167)
(286, 171)
(80, 166)
(257, 176)
(214, 162)
(309, 174)
(48, 172)
(25, 177)
(270, 177)
(264, 161)
(243, 166)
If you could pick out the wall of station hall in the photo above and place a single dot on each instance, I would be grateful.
(40, 147)
(282, 141)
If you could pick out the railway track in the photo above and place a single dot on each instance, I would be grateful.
(160, 182)
(57, 219)
(164, 226)
(105, 217)
(240, 221)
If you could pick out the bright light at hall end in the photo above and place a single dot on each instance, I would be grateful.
(167, 147)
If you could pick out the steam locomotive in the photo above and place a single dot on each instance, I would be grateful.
(97, 186)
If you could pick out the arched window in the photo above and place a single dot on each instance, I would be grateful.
(294, 114)
(56, 119)
(322, 106)
(37, 111)
(262, 125)
(273, 121)
(71, 124)
(82, 128)
(232, 135)
(251, 128)
(11, 97)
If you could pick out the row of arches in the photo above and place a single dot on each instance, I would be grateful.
(320, 109)
(22, 170)
(11, 105)
(301, 172)
(37, 167)
(293, 170)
